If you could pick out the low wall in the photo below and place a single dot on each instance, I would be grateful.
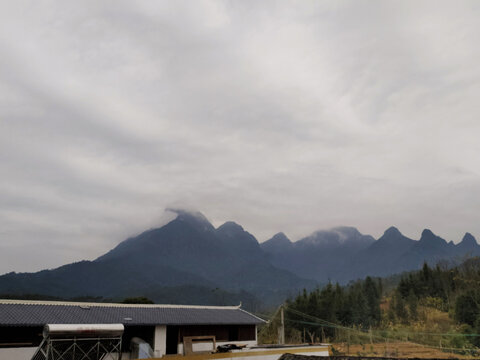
(303, 357)
(207, 346)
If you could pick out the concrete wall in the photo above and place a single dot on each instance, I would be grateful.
(160, 341)
(270, 356)
(206, 346)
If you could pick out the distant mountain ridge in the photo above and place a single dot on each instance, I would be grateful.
(331, 255)
(318, 256)
(187, 252)
(227, 264)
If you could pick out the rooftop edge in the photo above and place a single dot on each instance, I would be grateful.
(94, 304)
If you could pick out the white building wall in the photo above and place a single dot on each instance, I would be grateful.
(160, 341)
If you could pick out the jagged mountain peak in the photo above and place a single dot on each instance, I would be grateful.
(277, 244)
(392, 237)
(469, 239)
(236, 237)
(429, 239)
(468, 242)
(280, 238)
(427, 233)
(231, 227)
(392, 231)
(192, 217)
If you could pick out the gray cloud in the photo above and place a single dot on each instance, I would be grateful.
(282, 116)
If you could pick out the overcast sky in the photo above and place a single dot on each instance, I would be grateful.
(281, 116)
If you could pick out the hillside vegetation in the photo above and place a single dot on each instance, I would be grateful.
(438, 307)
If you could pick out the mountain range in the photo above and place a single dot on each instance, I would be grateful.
(188, 260)
(343, 254)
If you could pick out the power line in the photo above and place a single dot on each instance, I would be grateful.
(324, 323)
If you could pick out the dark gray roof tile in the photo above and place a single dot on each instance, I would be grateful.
(24, 313)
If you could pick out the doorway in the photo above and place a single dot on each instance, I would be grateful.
(172, 340)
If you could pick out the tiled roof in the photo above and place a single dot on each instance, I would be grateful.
(39, 313)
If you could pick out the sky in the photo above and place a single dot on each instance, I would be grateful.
(285, 116)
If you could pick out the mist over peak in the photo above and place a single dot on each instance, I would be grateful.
(192, 217)
(336, 236)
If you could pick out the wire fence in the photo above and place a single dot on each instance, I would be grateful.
(453, 342)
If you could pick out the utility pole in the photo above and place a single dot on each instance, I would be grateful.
(282, 326)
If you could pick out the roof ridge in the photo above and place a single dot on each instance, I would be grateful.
(255, 316)
(94, 304)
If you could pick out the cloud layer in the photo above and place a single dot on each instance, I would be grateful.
(281, 116)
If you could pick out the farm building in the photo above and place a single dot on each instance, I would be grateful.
(166, 328)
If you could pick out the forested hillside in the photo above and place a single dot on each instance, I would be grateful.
(435, 306)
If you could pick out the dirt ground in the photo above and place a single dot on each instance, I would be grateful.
(395, 349)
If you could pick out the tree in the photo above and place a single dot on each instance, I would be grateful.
(466, 308)
(412, 305)
(372, 296)
(400, 310)
(137, 300)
